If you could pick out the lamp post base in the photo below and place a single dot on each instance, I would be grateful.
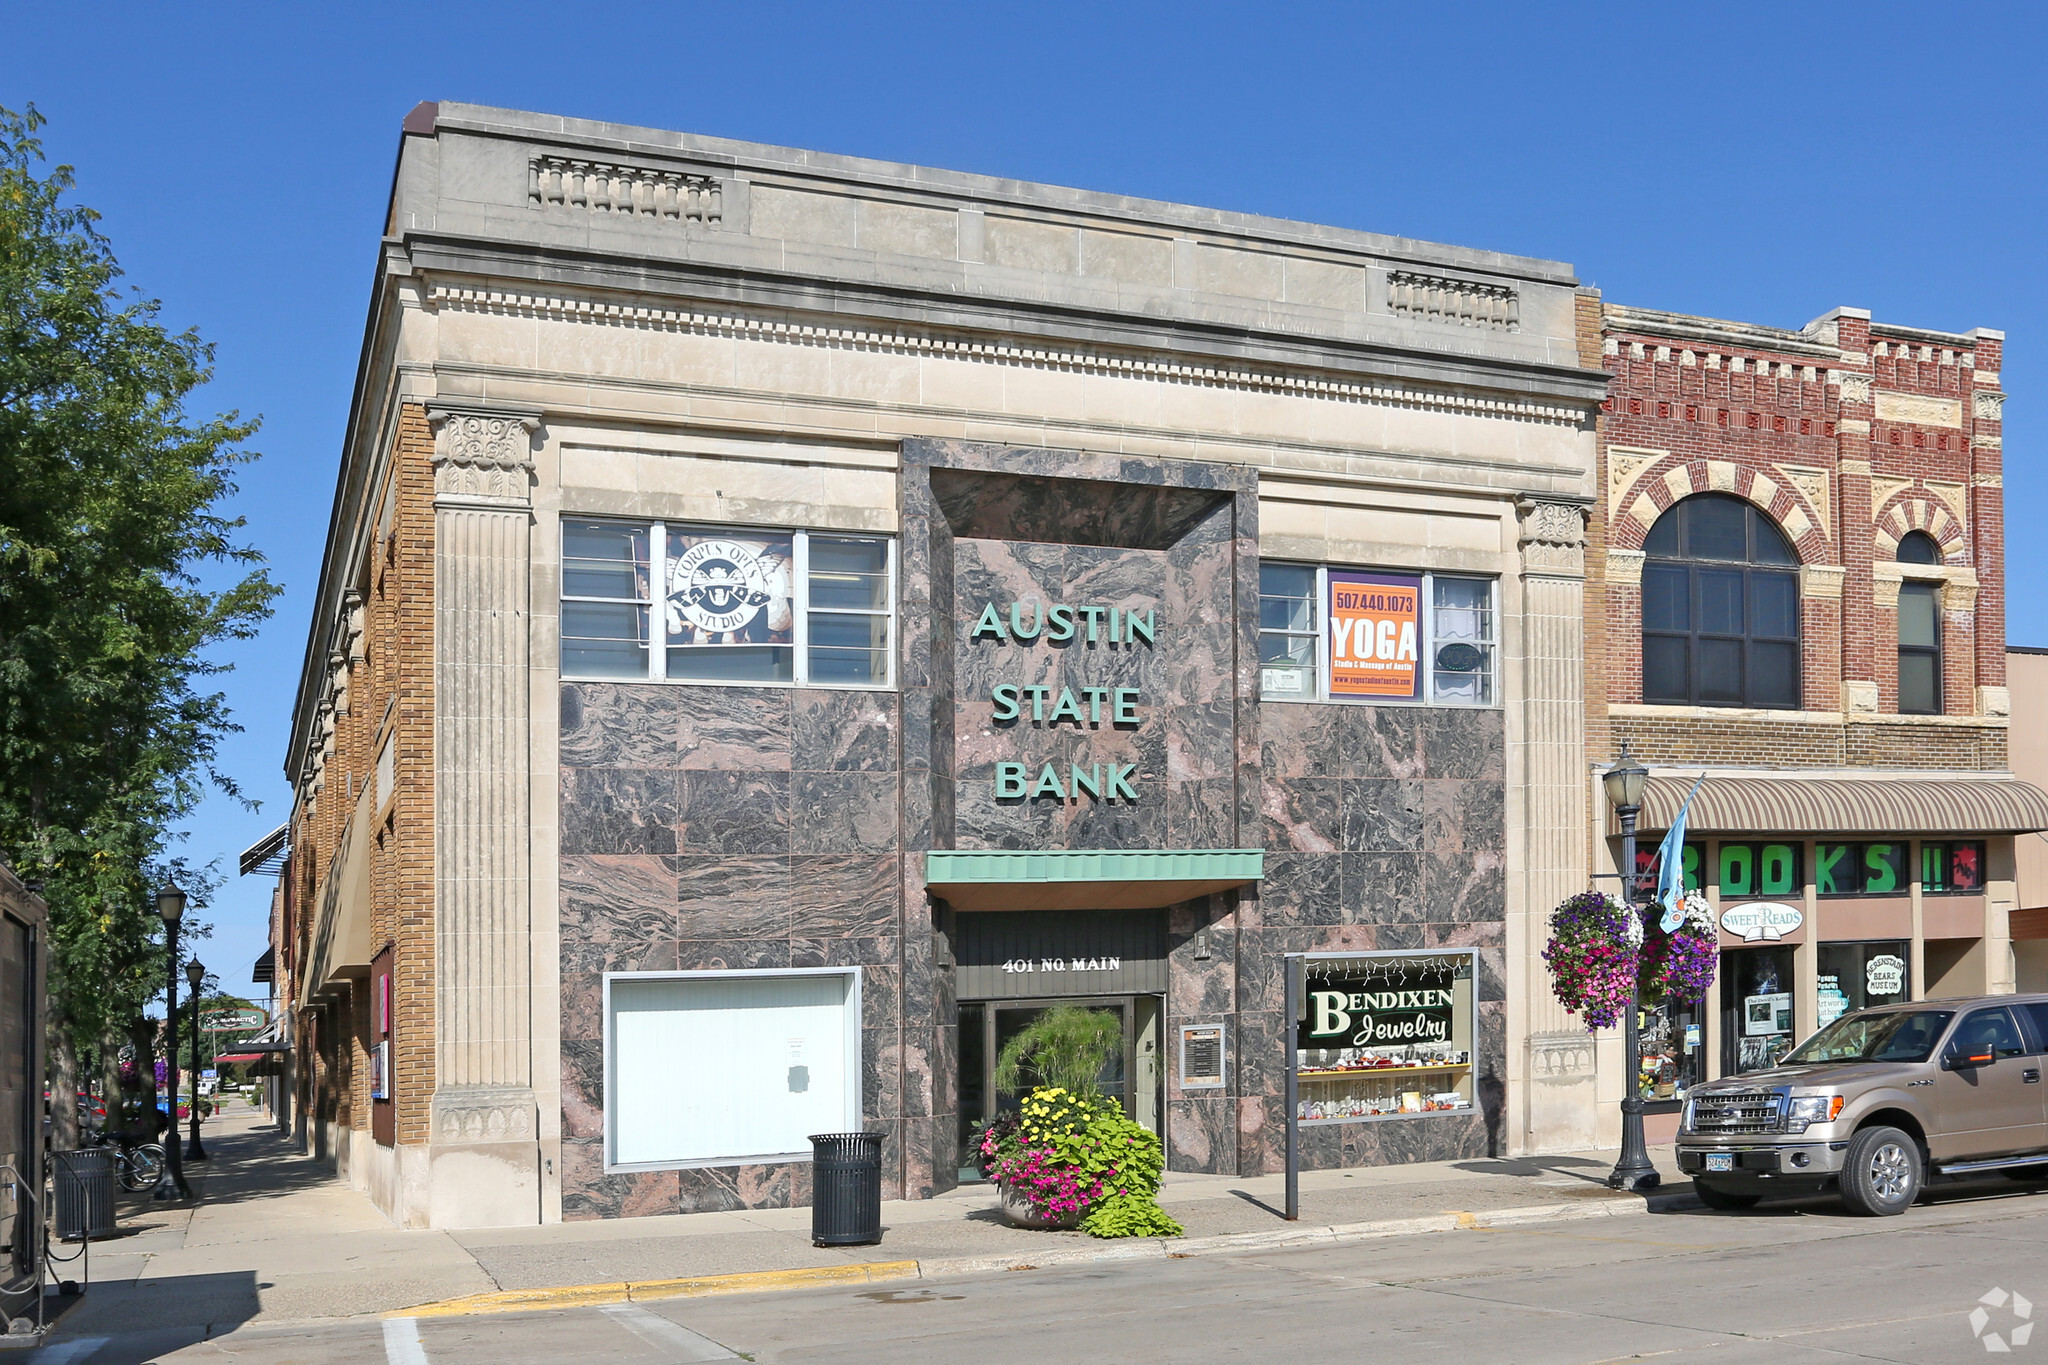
(1634, 1179)
(171, 1188)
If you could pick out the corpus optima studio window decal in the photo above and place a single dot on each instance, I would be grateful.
(725, 591)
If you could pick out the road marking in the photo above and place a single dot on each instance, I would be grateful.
(66, 1352)
(402, 1342)
(653, 1327)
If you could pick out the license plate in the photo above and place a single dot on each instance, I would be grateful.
(1720, 1161)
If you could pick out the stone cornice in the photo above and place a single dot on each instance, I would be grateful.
(987, 349)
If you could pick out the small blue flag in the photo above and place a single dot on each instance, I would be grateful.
(1671, 865)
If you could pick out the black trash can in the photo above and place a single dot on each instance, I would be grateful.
(846, 1189)
(85, 1192)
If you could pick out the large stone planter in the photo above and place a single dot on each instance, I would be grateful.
(1022, 1213)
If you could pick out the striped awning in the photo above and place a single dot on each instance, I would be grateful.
(1815, 805)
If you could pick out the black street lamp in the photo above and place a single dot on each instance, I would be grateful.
(195, 972)
(170, 908)
(1634, 1171)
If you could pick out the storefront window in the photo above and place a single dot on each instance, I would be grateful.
(736, 606)
(1955, 867)
(1694, 857)
(1855, 976)
(1860, 869)
(1759, 870)
(1329, 634)
(1385, 1035)
(1757, 1022)
(1674, 1050)
(726, 1068)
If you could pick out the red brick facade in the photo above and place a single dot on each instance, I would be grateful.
(1849, 435)
(387, 665)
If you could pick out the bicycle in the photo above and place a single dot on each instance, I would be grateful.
(139, 1166)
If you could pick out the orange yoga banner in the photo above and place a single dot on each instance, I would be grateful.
(1374, 621)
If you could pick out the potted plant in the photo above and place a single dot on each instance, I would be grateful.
(1068, 1156)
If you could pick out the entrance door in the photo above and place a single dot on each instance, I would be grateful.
(1131, 1075)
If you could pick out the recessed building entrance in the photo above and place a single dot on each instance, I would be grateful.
(1014, 966)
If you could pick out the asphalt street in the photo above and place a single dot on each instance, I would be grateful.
(1786, 1285)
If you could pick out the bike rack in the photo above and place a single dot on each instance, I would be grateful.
(29, 1218)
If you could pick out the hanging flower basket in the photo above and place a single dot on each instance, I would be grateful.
(1678, 967)
(1594, 952)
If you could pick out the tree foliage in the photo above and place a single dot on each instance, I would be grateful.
(110, 498)
(1066, 1047)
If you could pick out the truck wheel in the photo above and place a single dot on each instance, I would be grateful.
(1882, 1172)
(1714, 1197)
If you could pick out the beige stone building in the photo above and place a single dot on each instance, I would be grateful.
(651, 681)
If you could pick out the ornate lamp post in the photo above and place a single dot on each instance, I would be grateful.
(1634, 1171)
(195, 972)
(170, 908)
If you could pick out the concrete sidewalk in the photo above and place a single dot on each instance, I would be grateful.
(274, 1237)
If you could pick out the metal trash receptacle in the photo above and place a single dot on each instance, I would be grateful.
(846, 1189)
(84, 1204)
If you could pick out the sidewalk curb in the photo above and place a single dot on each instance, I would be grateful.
(881, 1272)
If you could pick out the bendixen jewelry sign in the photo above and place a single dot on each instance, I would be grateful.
(1349, 1014)
(1086, 708)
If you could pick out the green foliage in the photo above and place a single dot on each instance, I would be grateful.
(1129, 1215)
(109, 498)
(1124, 1156)
(1065, 1151)
(1064, 1048)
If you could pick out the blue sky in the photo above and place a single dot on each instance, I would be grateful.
(1758, 162)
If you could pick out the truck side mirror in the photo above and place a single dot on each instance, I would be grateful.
(1967, 1061)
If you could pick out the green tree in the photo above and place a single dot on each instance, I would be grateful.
(110, 498)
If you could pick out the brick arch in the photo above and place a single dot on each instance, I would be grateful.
(1769, 491)
(1916, 509)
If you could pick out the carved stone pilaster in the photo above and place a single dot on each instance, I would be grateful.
(1547, 749)
(483, 1100)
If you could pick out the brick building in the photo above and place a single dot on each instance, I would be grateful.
(1796, 581)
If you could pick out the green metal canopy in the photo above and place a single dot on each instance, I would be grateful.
(1085, 878)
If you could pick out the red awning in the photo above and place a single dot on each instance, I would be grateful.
(241, 1057)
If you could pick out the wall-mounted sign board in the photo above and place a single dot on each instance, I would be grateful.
(1201, 1056)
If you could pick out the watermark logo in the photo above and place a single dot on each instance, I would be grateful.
(2002, 1343)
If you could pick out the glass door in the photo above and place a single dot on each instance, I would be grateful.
(986, 1025)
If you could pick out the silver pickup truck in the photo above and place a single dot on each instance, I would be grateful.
(1876, 1104)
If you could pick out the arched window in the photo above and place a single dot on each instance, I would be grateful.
(1919, 548)
(1720, 607)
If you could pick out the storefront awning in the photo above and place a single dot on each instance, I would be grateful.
(1085, 879)
(1786, 805)
(240, 1057)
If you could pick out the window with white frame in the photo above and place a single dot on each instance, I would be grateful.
(724, 1068)
(728, 604)
(1334, 634)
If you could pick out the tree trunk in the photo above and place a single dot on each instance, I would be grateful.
(142, 1036)
(63, 1087)
(110, 1078)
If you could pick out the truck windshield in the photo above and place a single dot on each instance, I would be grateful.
(1891, 1036)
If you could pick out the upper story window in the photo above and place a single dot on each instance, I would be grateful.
(1919, 649)
(1919, 631)
(1720, 607)
(1919, 548)
(1330, 634)
(730, 604)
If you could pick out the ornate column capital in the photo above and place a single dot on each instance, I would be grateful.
(1553, 535)
(482, 455)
